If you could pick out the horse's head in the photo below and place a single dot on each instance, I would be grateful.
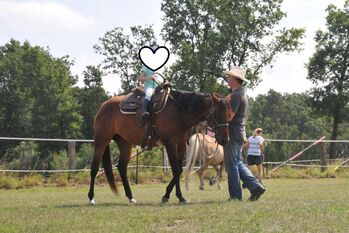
(218, 119)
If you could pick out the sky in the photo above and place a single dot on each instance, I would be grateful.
(72, 28)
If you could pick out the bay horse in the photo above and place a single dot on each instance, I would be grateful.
(183, 110)
(205, 148)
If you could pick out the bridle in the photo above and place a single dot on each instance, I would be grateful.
(216, 123)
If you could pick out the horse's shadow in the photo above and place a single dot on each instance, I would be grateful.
(147, 204)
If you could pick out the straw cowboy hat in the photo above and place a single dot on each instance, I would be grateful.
(237, 72)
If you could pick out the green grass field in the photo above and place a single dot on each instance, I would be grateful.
(289, 205)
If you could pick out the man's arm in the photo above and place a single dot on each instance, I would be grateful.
(232, 107)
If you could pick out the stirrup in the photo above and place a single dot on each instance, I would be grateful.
(145, 116)
(145, 144)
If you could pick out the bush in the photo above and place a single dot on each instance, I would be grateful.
(60, 180)
(149, 175)
(59, 160)
(82, 178)
(306, 173)
(10, 182)
(33, 180)
(24, 156)
(84, 156)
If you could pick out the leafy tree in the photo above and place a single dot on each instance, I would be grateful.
(36, 96)
(90, 98)
(54, 110)
(285, 117)
(93, 77)
(16, 101)
(328, 69)
(121, 53)
(212, 35)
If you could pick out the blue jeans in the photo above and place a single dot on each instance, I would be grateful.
(148, 92)
(237, 170)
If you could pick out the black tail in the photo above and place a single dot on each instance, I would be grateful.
(108, 170)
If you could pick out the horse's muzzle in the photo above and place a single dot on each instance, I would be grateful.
(221, 140)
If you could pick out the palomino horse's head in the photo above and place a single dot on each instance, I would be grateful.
(218, 119)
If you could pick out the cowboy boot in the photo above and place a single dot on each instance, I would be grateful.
(145, 113)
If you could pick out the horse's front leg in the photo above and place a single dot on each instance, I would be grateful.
(181, 153)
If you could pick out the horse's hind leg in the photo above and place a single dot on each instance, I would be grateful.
(181, 153)
(201, 175)
(219, 175)
(125, 152)
(94, 169)
(99, 149)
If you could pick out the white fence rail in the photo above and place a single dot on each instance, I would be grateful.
(72, 154)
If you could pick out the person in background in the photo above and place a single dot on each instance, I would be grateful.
(255, 148)
(234, 166)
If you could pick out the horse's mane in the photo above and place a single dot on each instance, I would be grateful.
(189, 100)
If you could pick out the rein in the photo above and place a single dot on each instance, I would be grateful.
(169, 93)
(174, 100)
(216, 123)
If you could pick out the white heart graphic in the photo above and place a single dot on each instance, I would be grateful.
(154, 60)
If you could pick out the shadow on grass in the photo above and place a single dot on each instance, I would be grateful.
(147, 204)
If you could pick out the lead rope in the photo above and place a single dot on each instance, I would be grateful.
(202, 146)
(213, 154)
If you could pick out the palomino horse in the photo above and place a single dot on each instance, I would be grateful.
(173, 125)
(209, 152)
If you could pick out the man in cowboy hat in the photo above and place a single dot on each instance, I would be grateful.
(232, 150)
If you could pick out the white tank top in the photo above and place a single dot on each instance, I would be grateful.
(254, 148)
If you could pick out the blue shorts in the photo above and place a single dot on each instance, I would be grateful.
(254, 159)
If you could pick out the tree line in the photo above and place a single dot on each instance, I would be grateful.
(39, 96)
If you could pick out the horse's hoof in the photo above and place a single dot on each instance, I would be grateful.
(132, 201)
(183, 202)
(92, 202)
(164, 200)
(201, 187)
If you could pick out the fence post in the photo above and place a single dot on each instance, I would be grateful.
(323, 158)
(71, 155)
(24, 156)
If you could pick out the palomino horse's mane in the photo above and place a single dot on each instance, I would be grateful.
(189, 100)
